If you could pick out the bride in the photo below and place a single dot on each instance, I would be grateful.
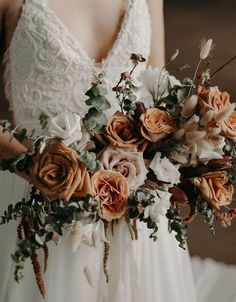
(52, 50)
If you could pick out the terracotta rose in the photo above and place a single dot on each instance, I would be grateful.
(212, 99)
(156, 124)
(58, 173)
(215, 188)
(122, 131)
(112, 190)
(228, 127)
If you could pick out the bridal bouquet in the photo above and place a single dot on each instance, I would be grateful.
(170, 146)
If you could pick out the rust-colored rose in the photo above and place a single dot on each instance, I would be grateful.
(212, 99)
(122, 131)
(228, 127)
(215, 188)
(112, 189)
(58, 173)
(156, 124)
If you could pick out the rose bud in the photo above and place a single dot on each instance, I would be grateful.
(178, 196)
(222, 163)
(136, 58)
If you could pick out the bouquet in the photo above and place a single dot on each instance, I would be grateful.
(171, 146)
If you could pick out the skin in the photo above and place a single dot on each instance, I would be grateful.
(84, 19)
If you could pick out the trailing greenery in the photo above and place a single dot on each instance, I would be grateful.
(40, 219)
(176, 224)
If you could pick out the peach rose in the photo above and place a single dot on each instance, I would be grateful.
(228, 127)
(112, 189)
(58, 173)
(122, 131)
(156, 124)
(215, 188)
(212, 99)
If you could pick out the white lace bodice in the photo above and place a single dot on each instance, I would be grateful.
(47, 70)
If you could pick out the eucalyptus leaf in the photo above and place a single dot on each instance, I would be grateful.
(100, 103)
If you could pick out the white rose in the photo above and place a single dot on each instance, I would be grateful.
(164, 169)
(129, 163)
(66, 126)
(159, 207)
(155, 84)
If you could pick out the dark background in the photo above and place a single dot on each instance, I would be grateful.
(186, 23)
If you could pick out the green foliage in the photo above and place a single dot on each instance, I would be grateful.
(22, 163)
(143, 198)
(95, 119)
(90, 160)
(129, 98)
(204, 209)
(176, 224)
(40, 219)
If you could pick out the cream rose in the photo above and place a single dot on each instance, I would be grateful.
(156, 124)
(66, 126)
(122, 131)
(111, 188)
(129, 163)
(58, 173)
(164, 169)
(215, 188)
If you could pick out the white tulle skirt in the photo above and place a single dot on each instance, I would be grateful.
(139, 270)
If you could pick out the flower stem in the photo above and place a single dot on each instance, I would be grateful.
(223, 66)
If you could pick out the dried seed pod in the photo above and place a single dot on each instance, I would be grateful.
(189, 106)
(224, 113)
(38, 274)
(195, 136)
(207, 117)
(179, 134)
(222, 163)
(46, 255)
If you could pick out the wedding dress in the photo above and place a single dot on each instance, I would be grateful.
(47, 70)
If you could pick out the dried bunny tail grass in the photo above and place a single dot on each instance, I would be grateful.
(192, 214)
(106, 254)
(19, 231)
(46, 256)
(206, 47)
(38, 274)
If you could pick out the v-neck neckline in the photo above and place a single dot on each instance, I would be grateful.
(104, 62)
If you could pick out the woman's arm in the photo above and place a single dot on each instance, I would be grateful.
(8, 147)
(157, 56)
